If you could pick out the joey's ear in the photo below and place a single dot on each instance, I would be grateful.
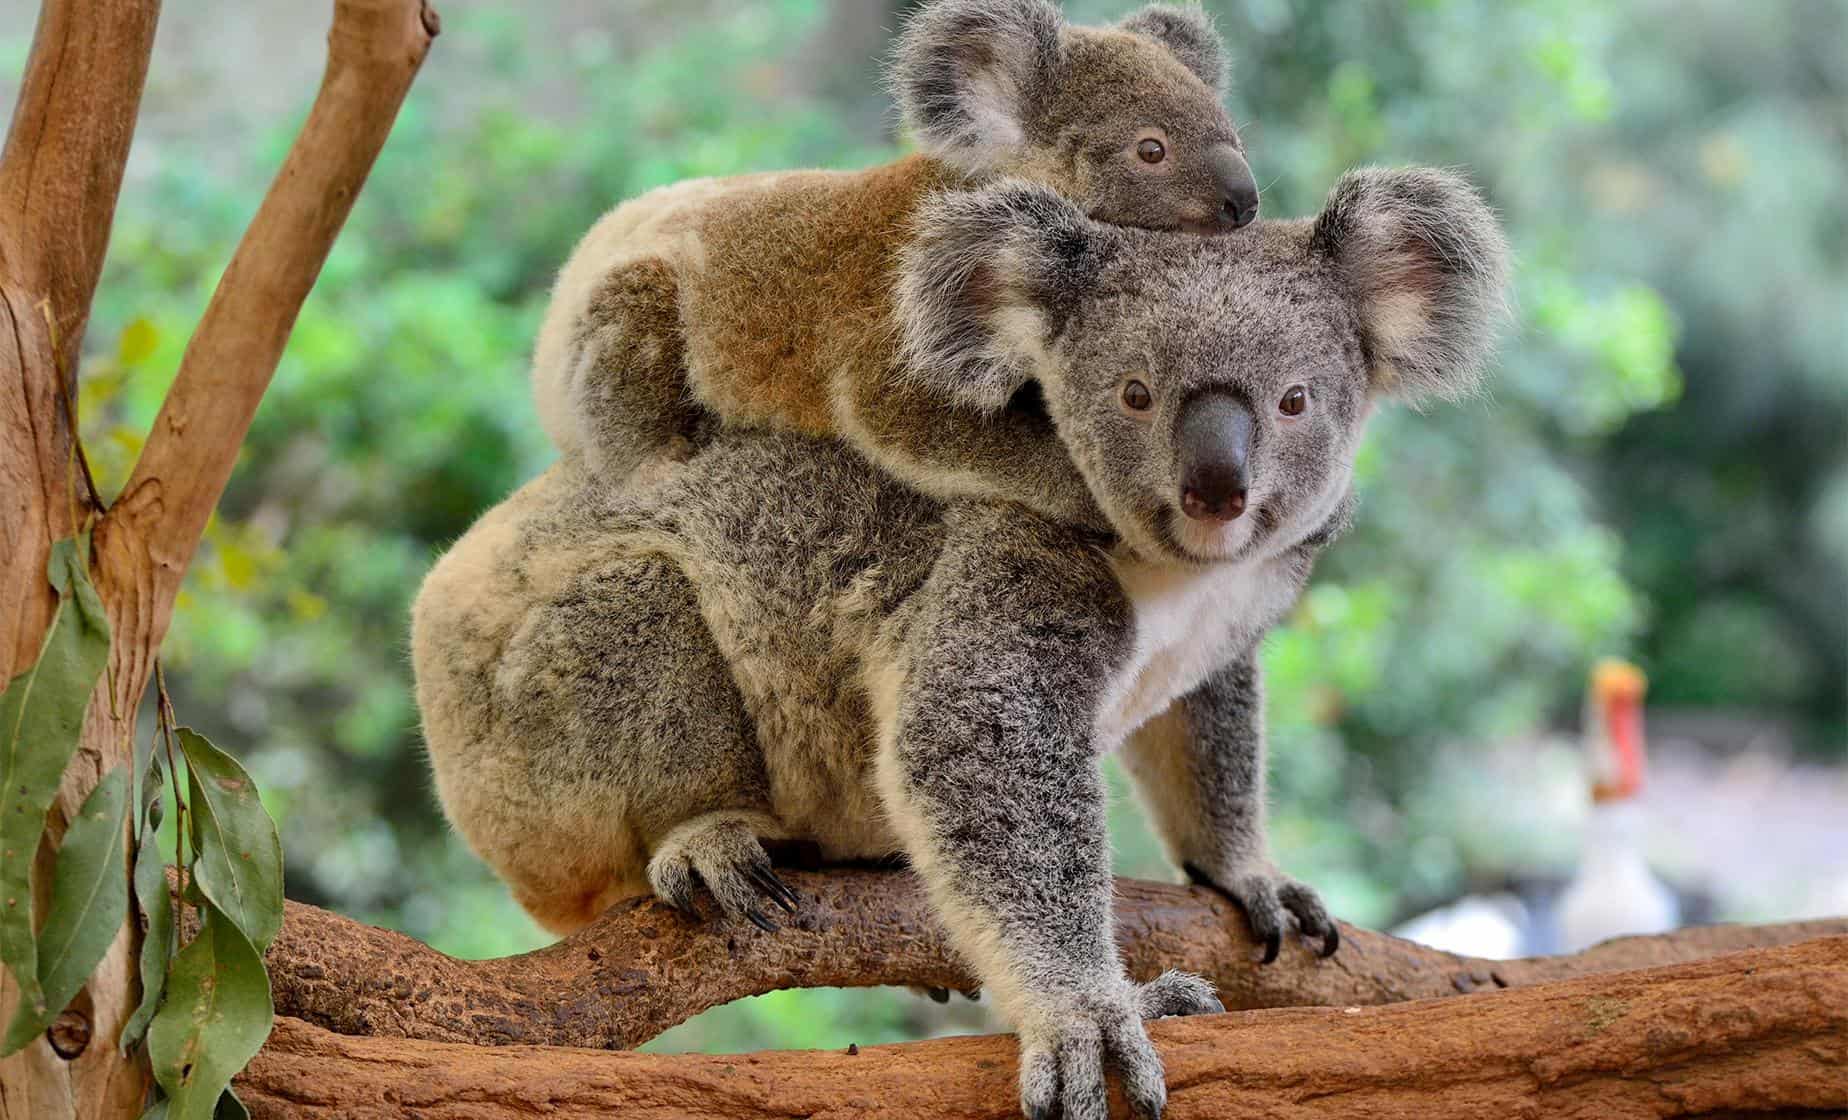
(1189, 33)
(1427, 265)
(986, 283)
(967, 72)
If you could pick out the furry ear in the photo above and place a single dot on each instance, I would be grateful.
(1427, 265)
(986, 282)
(966, 72)
(1190, 35)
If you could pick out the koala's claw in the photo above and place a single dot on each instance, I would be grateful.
(1062, 1064)
(777, 891)
(1176, 993)
(1270, 899)
(722, 851)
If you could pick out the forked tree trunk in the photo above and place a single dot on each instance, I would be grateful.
(59, 176)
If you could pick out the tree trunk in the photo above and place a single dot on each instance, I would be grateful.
(60, 173)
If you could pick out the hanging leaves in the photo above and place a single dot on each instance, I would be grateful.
(89, 895)
(41, 717)
(156, 909)
(213, 1020)
(240, 856)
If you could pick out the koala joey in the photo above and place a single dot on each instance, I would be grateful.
(766, 300)
(632, 687)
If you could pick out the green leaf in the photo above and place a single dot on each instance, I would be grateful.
(41, 717)
(156, 908)
(89, 894)
(156, 1111)
(214, 1019)
(240, 856)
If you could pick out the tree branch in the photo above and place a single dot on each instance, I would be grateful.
(60, 173)
(1758, 1031)
(374, 51)
(643, 967)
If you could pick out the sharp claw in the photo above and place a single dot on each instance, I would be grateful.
(774, 888)
(938, 995)
(757, 919)
(1272, 946)
(1331, 941)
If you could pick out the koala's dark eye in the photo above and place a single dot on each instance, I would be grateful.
(1294, 401)
(1136, 396)
(1152, 150)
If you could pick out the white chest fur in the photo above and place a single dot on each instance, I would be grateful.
(1188, 623)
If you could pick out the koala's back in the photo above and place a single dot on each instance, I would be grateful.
(784, 281)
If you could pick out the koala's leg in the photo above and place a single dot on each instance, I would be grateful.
(642, 756)
(989, 770)
(1200, 767)
(627, 386)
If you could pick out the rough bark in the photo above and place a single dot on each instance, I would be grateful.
(643, 967)
(1753, 1032)
(60, 173)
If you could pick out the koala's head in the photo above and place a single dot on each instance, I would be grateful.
(1126, 121)
(1211, 391)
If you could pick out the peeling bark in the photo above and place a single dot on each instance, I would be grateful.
(643, 967)
(1755, 1032)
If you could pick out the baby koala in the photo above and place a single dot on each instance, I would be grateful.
(766, 300)
(630, 687)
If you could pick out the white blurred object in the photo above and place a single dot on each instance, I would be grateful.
(1614, 893)
(1491, 925)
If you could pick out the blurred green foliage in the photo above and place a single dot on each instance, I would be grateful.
(1661, 469)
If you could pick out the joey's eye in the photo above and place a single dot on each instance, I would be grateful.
(1294, 401)
(1136, 396)
(1152, 150)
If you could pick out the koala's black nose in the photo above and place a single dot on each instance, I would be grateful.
(1213, 441)
(1238, 190)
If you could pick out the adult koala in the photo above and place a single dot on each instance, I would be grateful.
(630, 690)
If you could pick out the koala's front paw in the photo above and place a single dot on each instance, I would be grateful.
(1064, 1054)
(1176, 993)
(1269, 897)
(723, 852)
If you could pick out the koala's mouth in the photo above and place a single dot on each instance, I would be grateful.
(1196, 543)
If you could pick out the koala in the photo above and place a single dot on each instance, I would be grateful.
(766, 300)
(633, 688)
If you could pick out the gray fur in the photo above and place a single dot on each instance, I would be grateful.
(1190, 34)
(776, 640)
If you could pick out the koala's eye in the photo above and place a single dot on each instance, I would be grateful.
(1152, 150)
(1136, 396)
(1294, 401)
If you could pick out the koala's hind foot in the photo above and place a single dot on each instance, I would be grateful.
(721, 850)
(1270, 899)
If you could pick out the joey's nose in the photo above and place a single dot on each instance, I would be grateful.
(1238, 190)
(1213, 438)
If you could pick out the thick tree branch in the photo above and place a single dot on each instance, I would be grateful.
(374, 51)
(643, 968)
(1758, 1031)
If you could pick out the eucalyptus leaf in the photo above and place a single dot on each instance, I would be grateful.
(155, 904)
(214, 1019)
(157, 1110)
(89, 895)
(239, 865)
(41, 718)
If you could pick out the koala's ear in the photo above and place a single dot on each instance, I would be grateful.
(986, 283)
(966, 73)
(1188, 33)
(1427, 265)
